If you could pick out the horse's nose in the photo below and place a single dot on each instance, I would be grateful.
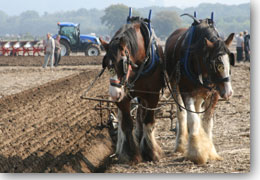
(228, 94)
(231, 93)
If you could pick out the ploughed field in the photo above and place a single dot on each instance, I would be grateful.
(46, 127)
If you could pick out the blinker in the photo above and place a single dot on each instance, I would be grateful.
(112, 72)
(220, 68)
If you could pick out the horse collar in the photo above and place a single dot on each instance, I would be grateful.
(185, 63)
(185, 59)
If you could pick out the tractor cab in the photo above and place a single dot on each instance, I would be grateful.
(71, 32)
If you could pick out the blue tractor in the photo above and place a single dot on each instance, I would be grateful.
(72, 41)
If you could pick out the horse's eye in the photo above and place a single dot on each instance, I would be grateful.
(121, 48)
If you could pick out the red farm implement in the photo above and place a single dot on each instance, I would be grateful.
(21, 48)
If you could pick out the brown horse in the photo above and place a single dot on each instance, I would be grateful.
(198, 66)
(135, 72)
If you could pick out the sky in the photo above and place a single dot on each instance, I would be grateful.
(15, 7)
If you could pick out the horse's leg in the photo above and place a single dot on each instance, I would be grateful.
(120, 134)
(139, 124)
(126, 148)
(181, 126)
(150, 150)
(199, 105)
(207, 123)
(199, 145)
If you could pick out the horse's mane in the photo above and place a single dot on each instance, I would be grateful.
(128, 32)
(207, 30)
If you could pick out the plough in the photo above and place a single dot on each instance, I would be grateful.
(107, 110)
(21, 48)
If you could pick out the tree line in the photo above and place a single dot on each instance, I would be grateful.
(228, 18)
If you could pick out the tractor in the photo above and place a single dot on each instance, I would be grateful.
(72, 41)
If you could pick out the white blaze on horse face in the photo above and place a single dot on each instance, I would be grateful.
(227, 85)
(116, 93)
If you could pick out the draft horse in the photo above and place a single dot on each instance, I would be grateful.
(198, 67)
(133, 58)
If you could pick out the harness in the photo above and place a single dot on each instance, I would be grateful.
(152, 54)
(185, 60)
(210, 63)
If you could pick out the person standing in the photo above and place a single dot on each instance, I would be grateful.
(247, 45)
(240, 46)
(57, 53)
(49, 51)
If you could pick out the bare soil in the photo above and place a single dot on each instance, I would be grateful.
(38, 60)
(44, 124)
(46, 127)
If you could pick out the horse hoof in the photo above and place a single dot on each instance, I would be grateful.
(123, 159)
(179, 149)
(137, 159)
(154, 155)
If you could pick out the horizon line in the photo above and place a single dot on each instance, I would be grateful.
(181, 8)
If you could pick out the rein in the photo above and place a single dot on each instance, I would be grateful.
(94, 81)
(167, 80)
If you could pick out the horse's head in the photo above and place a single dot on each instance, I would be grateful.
(218, 60)
(213, 55)
(122, 55)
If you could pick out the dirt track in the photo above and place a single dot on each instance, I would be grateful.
(46, 127)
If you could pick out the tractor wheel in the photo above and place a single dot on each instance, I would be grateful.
(93, 50)
(65, 48)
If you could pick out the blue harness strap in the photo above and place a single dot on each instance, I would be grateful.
(185, 63)
(154, 58)
(185, 60)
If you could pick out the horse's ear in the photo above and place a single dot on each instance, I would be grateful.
(209, 44)
(104, 43)
(229, 39)
(232, 59)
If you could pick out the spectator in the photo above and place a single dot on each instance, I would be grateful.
(49, 51)
(240, 46)
(57, 53)
(247, 45)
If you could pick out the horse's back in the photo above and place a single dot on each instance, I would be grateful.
(172, 39)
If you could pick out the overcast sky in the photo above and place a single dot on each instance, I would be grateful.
(15, 7)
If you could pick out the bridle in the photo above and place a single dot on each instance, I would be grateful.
(127, 69)
(214, 65)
